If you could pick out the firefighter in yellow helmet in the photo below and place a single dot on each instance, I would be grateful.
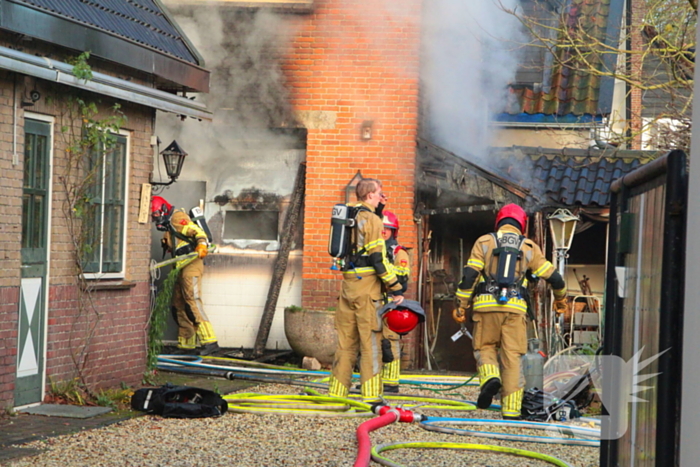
(182, 236)
(497, 266)
(357, 322)
(391, 344)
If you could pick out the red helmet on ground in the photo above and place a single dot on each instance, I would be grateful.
(391, 222)
(401, 321)
(515, 212)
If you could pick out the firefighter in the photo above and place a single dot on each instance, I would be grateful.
(497, 265)
(357, 321)
(391, 345)
(182, 236)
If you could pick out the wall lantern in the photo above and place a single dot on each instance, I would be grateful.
(366, 130)
(173, 158)
(562, 225)
(350, 187)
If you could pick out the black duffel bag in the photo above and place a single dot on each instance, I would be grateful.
(179, 402)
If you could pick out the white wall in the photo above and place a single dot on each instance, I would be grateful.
(235, 289)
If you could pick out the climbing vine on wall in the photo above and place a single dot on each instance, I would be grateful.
(88, 131)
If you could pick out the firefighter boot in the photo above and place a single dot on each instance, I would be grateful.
(209, 348)
(488, 390)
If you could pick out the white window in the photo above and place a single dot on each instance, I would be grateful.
(106, 243)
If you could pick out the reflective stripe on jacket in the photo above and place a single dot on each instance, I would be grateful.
(482, 258)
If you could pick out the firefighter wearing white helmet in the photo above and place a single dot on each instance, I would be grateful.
(497, 266)
(391, 344)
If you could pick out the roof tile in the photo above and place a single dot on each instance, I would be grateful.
(570, 92)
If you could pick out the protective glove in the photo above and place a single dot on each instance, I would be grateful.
(561, 305)
(397, 297)
(201, 250)
(459, 314)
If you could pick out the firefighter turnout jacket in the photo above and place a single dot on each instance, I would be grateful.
(398, 256)
(369, 254)
(482, 265)
(183, 235)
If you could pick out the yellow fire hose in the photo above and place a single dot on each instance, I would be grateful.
(194, 254)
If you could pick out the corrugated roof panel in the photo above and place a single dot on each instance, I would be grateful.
(141, 21)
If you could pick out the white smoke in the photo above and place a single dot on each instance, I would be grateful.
(469, 50)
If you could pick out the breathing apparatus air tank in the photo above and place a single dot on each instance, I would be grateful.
(197, 216)
(342, 221)
(533, 365)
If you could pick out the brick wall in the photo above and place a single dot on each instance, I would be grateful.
(353, 61)
(117, 349)
(636, 61)
(9, 297)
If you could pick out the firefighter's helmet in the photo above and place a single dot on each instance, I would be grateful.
(515, 212)
(401, 320)
(391, 222)
(160, 212)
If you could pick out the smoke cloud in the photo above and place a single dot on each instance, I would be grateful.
(469, 52)
(242, 147)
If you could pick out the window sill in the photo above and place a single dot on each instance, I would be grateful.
(92, 285)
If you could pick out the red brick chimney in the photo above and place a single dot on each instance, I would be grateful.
(353, 76)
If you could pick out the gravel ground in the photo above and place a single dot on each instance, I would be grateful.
(238, 439)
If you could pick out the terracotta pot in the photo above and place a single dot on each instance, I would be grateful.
(311, 333)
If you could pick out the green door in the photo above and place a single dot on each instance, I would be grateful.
(32, 306)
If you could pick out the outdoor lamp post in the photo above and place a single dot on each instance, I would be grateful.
(562, 225)
(173, 158)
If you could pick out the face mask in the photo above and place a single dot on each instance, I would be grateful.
(162, 221)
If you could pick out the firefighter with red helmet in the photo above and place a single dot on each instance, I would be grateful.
(391, 344)
(357, 322)
(182, 236)
(493, 286)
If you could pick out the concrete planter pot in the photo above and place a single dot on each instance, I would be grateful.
(311, 333)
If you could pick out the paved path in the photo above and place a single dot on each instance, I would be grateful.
(23, 428)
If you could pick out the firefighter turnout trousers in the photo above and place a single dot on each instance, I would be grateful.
(188, 312)
(392, 369)
(507, 332)
(359, 330)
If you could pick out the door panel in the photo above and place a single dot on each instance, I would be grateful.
(32, 312)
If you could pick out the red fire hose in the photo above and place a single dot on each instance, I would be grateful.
(388, 416)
